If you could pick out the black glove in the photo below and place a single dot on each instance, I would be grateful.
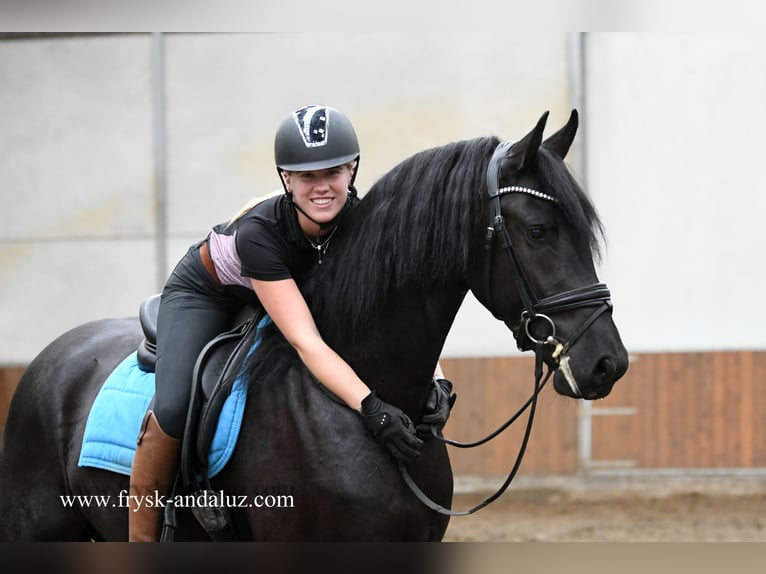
(391, 427)
(438, 406)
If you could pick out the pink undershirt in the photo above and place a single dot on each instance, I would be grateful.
(223, 252)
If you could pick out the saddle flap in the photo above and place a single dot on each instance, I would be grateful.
(214, 375)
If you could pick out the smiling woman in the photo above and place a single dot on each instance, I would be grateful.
(317, 151)
(320, 196)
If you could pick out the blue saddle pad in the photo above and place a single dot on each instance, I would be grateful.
(109, 440)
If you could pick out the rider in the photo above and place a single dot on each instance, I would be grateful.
(262, 257)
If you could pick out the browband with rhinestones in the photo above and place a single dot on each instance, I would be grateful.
(520, 189)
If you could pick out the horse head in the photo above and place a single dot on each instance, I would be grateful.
(537, 273)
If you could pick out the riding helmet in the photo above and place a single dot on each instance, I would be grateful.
(315, 137)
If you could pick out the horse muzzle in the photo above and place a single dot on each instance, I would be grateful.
(574, 378)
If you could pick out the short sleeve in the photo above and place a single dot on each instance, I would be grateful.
(262, 250)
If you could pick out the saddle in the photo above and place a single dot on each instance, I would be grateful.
(147, 316)
(214, 374)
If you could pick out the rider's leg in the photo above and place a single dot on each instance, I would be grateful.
(193, 310)
(154, 468)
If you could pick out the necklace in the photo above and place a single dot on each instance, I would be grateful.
(321, 244)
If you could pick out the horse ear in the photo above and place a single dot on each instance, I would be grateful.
(560, 142)
(523, 153)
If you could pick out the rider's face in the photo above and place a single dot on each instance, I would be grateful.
(321, 193)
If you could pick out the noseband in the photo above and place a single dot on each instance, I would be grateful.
(536, 311)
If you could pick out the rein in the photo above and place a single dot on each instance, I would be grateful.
(532, 404)
(535, 310)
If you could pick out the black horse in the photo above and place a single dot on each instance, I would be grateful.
(385, 296)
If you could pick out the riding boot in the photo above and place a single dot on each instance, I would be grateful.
(155, 466)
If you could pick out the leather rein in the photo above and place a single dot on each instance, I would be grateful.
(535, 310)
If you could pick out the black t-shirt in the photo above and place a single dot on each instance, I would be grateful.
(266, 243)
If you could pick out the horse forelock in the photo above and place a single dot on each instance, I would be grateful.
(575, 205)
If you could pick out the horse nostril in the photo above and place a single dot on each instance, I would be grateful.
(605, 369)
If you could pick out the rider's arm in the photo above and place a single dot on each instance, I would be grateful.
(286, 306)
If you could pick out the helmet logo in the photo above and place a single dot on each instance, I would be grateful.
(312, 123)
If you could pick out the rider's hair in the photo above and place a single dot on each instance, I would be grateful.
(252, 203)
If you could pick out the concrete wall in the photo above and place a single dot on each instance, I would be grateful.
(675, 153)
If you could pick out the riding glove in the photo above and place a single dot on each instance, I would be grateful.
(391, 428)
(438, 406)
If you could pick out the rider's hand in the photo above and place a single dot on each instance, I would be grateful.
(391, 427)
(438, 406)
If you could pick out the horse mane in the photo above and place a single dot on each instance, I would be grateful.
(413, 227)
(409, 229)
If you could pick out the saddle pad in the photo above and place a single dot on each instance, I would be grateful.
(109, 440)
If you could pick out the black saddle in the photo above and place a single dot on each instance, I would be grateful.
(147, 316)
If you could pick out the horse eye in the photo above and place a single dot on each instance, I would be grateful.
(536, 233)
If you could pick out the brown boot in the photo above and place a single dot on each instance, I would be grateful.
(154, 468)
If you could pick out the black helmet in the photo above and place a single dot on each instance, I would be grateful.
(315, 137)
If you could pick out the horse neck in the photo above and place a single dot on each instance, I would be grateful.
(399, 356)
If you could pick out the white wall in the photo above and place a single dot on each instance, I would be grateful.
(675, 163)
(76, 229)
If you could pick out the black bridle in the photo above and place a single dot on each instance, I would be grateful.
(535, 310)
